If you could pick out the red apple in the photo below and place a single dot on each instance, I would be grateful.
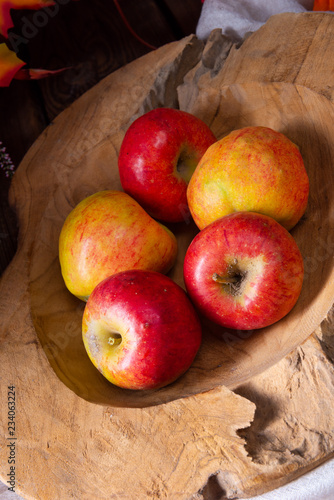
(254, 169)
(244, 271)
(140, 329)
(109, 232)
(157, 158)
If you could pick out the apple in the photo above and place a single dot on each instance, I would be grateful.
(157, 158)
(140, 329)
(109, 232)
(244, 271)
(253, 169)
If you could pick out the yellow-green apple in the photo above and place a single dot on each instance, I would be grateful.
(140, 329)
(244, 271)
(254, 169)
(109, 232)
(158, 155)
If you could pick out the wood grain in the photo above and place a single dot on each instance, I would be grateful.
(202, 439)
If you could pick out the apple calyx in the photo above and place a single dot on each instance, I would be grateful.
(232, 280)
(114, 339)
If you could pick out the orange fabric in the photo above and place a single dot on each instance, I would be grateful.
(323, 5)
(9, 65)
(6, 5)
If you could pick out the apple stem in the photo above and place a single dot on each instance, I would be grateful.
(225, 280)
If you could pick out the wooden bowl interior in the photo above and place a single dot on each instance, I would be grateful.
(226, 357)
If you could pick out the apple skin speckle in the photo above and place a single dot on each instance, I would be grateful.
(253, 169)
(109, 232)
(157, 158)
(159, 329)
(259, 257)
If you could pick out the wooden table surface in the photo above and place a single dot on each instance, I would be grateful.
(92, 40)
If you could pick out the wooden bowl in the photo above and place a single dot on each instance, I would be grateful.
(80, 437)
(226, 357)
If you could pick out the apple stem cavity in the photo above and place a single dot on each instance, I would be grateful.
(232, 280)
(232, 283)
(185, 166)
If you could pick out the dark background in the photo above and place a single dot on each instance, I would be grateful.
(90, 38)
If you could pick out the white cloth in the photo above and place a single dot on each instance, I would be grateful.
(317, 484)
(236, 18)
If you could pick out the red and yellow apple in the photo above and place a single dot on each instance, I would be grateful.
(244, 271)
(109, 232)
(140, 330)
(254, 169)
(157, 158)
